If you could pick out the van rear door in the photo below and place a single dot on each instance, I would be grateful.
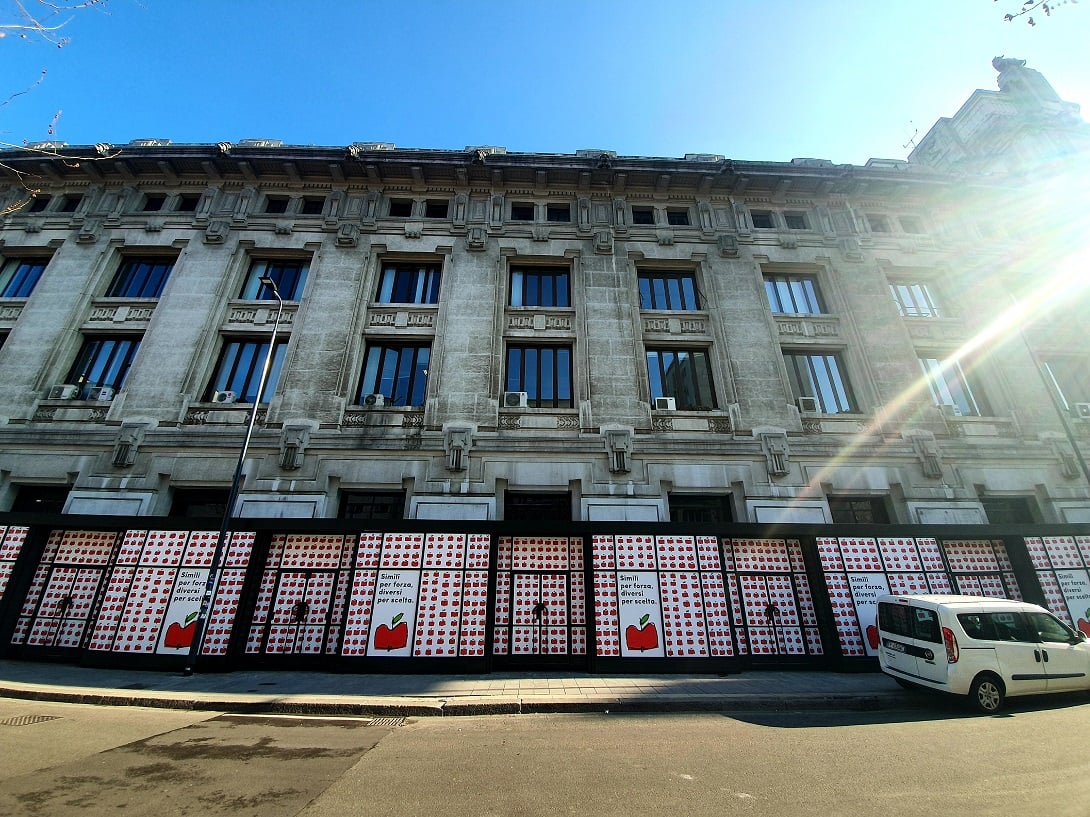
(896, 650)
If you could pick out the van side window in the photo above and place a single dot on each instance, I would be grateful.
(927, 625)
(909, 622)
(1008, 627)
(977, 625)
(1048, 628)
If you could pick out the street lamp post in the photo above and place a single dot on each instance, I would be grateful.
(221, 541)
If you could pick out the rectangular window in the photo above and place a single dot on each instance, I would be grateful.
(762, 219)
(39, 204)
(290, 278)
(103, 361)
(401, 208)
(70, 203)
(1010, 510)
(240, 365)
(540, 286)
(188, 204)
(1071, 378)
(793, 295)
(877, 223)
(911, 224)
(140, 278)
(820, 375)
(397, 371)
(677, 217)
(662, 289)
(643, 215)
(684, 374)
(528, 507)
(19, 276)
(274, 205)
(154, 203)
(795, 221)
(543, 372)
(560, 213)
(312, 206)
(521, 211)
(915, 300)
(409, 284)
(950, 386)
(869, 510)
(372, 505)
(435, 209)
(700, 509)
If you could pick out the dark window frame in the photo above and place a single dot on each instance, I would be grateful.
(826, 379)
(19, 275)
(542, 287)
(762, 219)
(141, 276)
(859, 510)
(794, 294)
(409, 283)
(436, 208)
(951, 384)
(103, 361)
(372, 501)
(398, 370)
(400, 208)
(545, 371)
(290, 275)
(915, 299)
(691, 386)
(522, 211)
(239, 367)
(643, 216)
(669, 290)
(678, 217)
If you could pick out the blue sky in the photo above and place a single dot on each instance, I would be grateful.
(755, 80)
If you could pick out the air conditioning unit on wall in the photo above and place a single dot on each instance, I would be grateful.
(665, 404)
(103, 393)
(515, 399)
(224, 397)
(62, 391)
(1082, 411)
(808, 405)
(375, 400)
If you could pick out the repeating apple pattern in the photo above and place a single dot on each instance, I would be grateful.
(12, 538)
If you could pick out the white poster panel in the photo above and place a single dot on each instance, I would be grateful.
(639, 610)
(393, 617)
(180, 621)
(866, 588)
(1075, 586)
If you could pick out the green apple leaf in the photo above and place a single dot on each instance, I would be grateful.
(192, 616)
(643, 620)
(397, 618)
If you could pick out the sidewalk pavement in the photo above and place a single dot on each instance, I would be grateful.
(330, 694)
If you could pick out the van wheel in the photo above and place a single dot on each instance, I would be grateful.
(987, 694)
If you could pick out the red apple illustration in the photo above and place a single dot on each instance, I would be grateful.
(644, 637)
(1084, 625)
(180, 636)
(872, 636)
(393, 636)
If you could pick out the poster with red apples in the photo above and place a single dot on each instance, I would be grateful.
(866, 588)
(393, 616)
(180, 622)
(1075, 587)
(639, 609)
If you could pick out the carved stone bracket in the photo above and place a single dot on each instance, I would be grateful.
(216, 232)
(618, 441)
(475, 240)
(927, 451)
(776, 451)
(728, 246)
(348, 235)
(603, 242)
(129, 438)
(457, 442)
(294, 439)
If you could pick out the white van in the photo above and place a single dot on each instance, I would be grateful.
(985, 648)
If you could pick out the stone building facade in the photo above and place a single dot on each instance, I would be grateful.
(490, 335)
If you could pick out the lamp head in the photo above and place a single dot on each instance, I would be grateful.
(270, 283)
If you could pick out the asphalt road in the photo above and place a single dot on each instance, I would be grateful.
(64, 759)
